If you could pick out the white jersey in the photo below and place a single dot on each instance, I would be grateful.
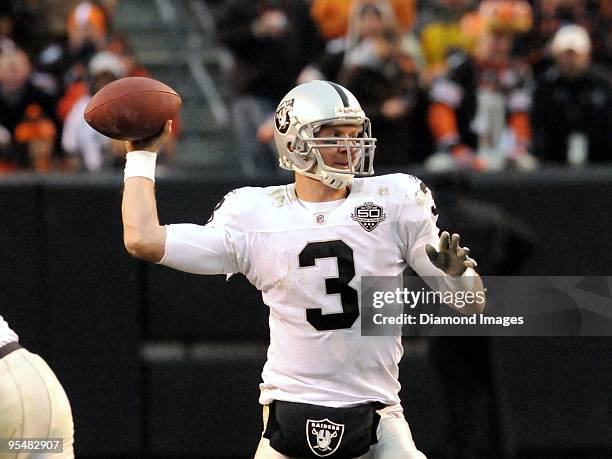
(308, 261)
(6, 334)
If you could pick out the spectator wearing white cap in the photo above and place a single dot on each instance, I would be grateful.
(89, 149)
(571, 48)
(572, 105)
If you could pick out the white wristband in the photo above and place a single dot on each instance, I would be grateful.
(140, 164)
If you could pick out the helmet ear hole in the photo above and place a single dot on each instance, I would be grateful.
(290, 143)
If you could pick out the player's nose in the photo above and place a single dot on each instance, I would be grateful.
(344, 146)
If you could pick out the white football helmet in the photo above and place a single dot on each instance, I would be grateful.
(302, 113)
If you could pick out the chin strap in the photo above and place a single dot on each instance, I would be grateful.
(331, 179)
(335, 180)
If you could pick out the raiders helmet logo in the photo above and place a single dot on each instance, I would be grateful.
(324, 436)
(369, 215)
(282, 116)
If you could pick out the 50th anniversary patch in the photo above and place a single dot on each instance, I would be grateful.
(369, 215)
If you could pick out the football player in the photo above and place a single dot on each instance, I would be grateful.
(33, 403)
(327, 390)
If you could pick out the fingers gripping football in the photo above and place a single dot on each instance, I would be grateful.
(152, 143)
(450, 256)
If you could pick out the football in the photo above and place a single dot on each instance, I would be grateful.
(132, 108)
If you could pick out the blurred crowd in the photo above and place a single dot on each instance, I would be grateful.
(478, 85)
(53, 56)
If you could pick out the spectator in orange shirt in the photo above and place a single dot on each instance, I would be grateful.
(333, 16)
(35, 137)
(368, 20)
(86, 31)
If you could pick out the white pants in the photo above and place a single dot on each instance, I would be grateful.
(393, 433)
(33, 404)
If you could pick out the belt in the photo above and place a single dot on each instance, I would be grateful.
(8, 348)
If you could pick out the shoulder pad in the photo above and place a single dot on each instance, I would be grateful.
(424, 198)
(395, 186)
(243, 202)
(409, 190)
(234, 203)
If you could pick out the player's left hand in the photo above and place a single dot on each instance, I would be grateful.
(450, 257)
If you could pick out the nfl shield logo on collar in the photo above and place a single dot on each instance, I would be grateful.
(319, 218)
(324, 436)
(369, 215)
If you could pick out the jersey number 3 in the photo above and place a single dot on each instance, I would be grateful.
(348, 295)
